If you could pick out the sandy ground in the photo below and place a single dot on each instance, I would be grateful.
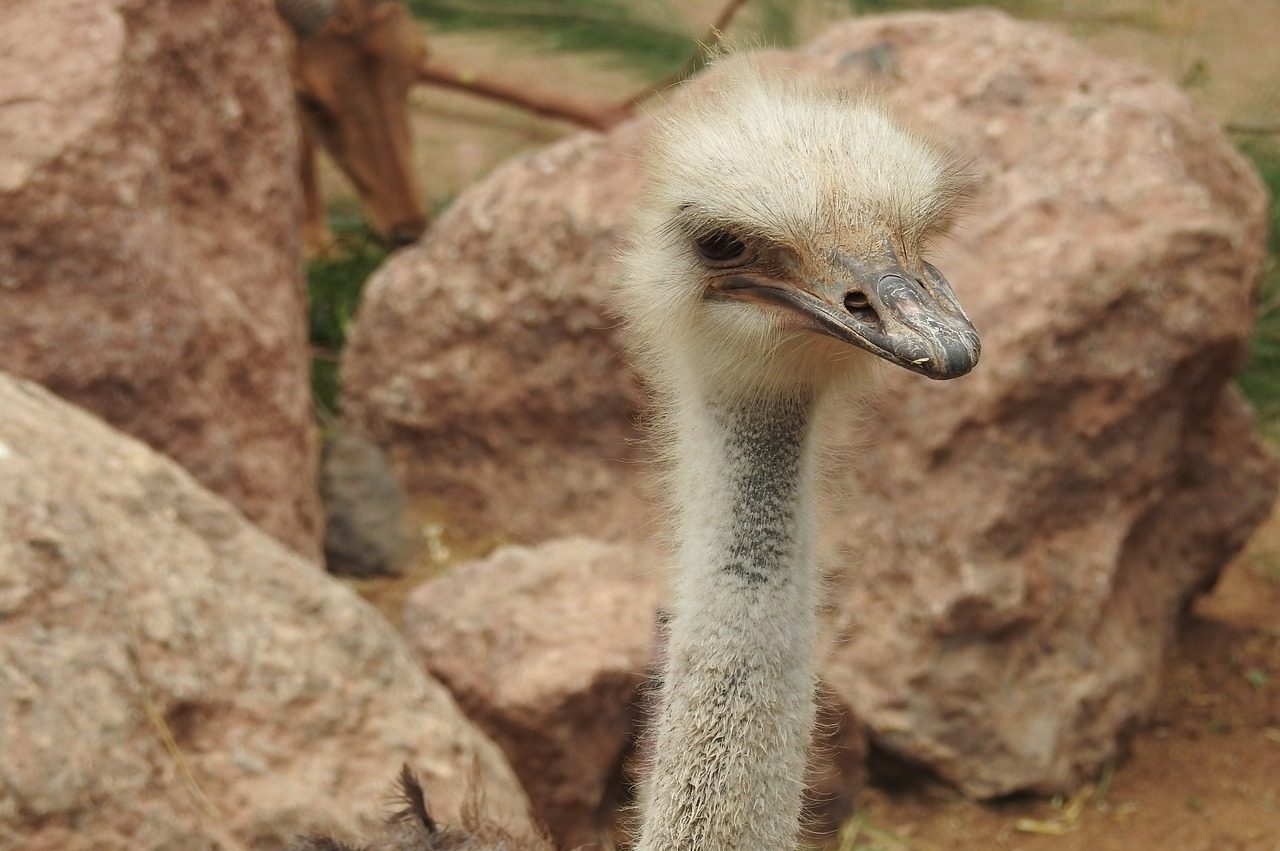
(1204, 774)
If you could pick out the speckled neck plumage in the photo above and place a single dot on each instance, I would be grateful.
(737, 708)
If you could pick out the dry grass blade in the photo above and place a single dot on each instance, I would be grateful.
(209, 817)
(1042, 827)
(860, 834)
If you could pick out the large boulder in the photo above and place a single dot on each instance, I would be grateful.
(149, 255)
(553, 651)
(172, 677)
(486, 361)
(1019, 544)
(546, 649)
(1010, 551)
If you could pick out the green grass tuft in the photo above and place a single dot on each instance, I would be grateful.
(776, 22)
(617, 29)
(1260, 378)
(334, 285)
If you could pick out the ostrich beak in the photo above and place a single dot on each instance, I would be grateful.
(914, 322)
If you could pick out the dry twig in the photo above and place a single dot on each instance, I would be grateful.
(1254, 129)
(548, 106)
(572, 112)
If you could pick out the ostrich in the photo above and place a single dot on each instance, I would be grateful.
(778, 253)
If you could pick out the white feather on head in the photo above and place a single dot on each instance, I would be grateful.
(793, 162)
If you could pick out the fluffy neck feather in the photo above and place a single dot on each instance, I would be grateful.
(737, 702)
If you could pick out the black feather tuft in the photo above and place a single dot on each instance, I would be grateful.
(413, 801)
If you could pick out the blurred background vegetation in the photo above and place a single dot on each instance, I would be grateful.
(1260, 379)
(602, 51)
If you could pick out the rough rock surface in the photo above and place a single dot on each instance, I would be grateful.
(486, 361)
(363, 506)
(172, 677)
(1022, 541)
(546, 649)
(549, 650)
(1010, 550)
(148, 237)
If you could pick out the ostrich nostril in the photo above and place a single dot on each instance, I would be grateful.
(857, 303)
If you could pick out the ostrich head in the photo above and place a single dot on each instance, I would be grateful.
(782, 242)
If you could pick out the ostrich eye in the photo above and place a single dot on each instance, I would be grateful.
(719, 247)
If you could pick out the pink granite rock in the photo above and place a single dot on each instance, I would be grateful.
(149, 257)
(1017, 546)
(172, 677)
(486, 359)
(549, 649)
(546, 649)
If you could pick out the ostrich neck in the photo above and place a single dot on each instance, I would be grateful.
(737, 701)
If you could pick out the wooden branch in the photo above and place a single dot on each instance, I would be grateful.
(1254, 129)
(548, 106)
(561, 109)
(708, 43)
